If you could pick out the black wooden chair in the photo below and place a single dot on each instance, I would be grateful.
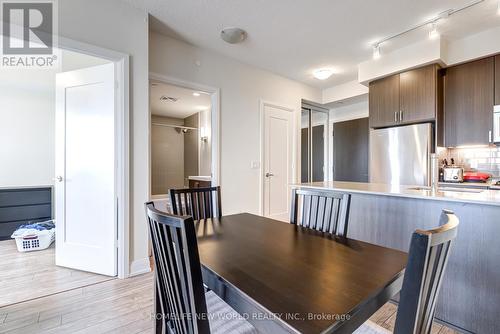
(429, 252)
(323, 211)
(199, 203)
(181, 304)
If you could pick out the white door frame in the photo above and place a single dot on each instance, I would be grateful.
(215, 118)
(262, 179)
(121, 61)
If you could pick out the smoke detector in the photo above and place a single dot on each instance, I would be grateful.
(168, 99)
(233, 35)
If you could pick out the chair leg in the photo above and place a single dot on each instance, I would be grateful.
(159, 320)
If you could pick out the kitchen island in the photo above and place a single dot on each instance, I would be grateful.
(387, 215)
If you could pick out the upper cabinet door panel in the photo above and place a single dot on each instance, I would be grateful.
(497, 80)
(469, 100)
(384, 101)
(418, 94)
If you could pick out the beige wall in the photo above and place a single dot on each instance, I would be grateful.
(167, 155)
(242, 88)
(115, 25)
(191, 147)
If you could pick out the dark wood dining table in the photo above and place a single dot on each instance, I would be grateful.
(284, 278)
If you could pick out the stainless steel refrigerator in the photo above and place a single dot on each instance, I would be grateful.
(401, 155)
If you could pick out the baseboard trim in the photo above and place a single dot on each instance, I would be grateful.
(139, 267)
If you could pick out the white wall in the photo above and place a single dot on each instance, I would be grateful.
(205, 159)
(242, 86)
(27, 116)
(344, 91)
(27, 110)
(415, 55)
(115, 25)
(349, 111)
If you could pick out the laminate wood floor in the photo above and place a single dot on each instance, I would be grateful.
(25, 276)
(116, 306)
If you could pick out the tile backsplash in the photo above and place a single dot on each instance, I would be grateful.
(482, 159)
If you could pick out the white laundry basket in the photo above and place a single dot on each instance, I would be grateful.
(36, 241)
(34, 236)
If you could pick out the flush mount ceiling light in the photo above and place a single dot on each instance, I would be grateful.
(168, 99)
(433, 34)
(233, 35)
(196, 94)
(323, 73)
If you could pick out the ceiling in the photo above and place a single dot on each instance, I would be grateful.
(186, 105)
(292, 38)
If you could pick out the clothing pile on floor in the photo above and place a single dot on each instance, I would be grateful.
(33, 229)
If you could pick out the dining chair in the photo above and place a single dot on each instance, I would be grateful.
(322, 211)
(199, 203)
(181, 304)
(427, 259)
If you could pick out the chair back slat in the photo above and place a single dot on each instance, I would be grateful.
(321, 211)
(427, 259)
(179, 284)
(196, 202)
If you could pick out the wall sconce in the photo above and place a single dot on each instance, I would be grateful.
(203, 134)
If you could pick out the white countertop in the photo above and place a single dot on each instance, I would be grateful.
(200, 178)
(488, 197)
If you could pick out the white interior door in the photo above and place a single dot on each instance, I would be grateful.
(85, 205)
(278, 139)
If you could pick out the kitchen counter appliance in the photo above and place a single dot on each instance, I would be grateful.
(453, 174)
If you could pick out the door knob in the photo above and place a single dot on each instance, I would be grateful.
(58, 178)
(269, 174)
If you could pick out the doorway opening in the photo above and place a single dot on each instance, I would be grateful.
(182, 139)
(60, 166)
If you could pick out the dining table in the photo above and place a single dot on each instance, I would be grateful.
(284, 278)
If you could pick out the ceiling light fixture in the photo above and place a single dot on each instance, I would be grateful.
(168, 99)
(433, 33)
(196, 94)
(498, 8)
(323, 73)
(376, 51)
(233, 35)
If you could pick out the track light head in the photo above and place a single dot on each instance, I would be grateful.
(376, 51)
(434, 33)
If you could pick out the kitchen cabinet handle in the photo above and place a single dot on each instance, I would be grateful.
(395, 117)
(401, 115)
(489, 137)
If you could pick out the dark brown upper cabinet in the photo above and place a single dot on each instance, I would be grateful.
(419, 95)
(384, 102)
(406, 98)
(497, 80)
(469, 101)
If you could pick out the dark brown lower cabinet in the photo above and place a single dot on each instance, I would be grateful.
(350, 150)
(469, 101)
(199, 184)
